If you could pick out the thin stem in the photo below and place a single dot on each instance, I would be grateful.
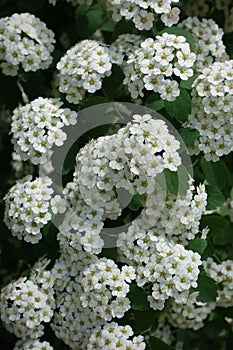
(24, 95)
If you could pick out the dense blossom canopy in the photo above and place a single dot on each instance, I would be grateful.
(117, 216)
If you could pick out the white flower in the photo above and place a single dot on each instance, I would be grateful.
(169, 90)
(171, 17)
(58, 205)
(143, 20)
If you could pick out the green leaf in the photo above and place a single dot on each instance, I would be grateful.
(136, 202)
(216, 224)
(81, 10)
(175, 182)
(93, 100)
(138, 298)
(158, 344)
(110, 253)
(225, 236)
(107, 26)
(95, 19)
(215, 197)
(208, 289)
(190, 38)
(149, 320)
(180, 108)
(216, 173)
(112, 83)
(187, 84)
(88, 19)
(122, 27)
(188, 135)
(197, 245)
(156, 105)
(153, 101)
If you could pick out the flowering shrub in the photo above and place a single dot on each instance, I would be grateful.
(117, 190)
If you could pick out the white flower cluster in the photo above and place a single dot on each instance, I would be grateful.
(123, 46)
(210, 46)
(170, 267)
(32, 345)
(112, 336)
(28, 302)
(190, 315)
(155, 244)
(82, 69)
(223, 275)
(157, 65)
(25, 42)
(130, 159)
(37, 127)
(74, 323)
(142, 12)
(27, 207)
(212, 98)
(105, 288)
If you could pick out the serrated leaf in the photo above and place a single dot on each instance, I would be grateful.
(138, 298)
(215, 198)
(188, 135)
(190, 38)
(158, 344)
(180, 108)
(208, 289)
(197, 245)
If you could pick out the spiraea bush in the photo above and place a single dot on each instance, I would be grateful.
(116, 174)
